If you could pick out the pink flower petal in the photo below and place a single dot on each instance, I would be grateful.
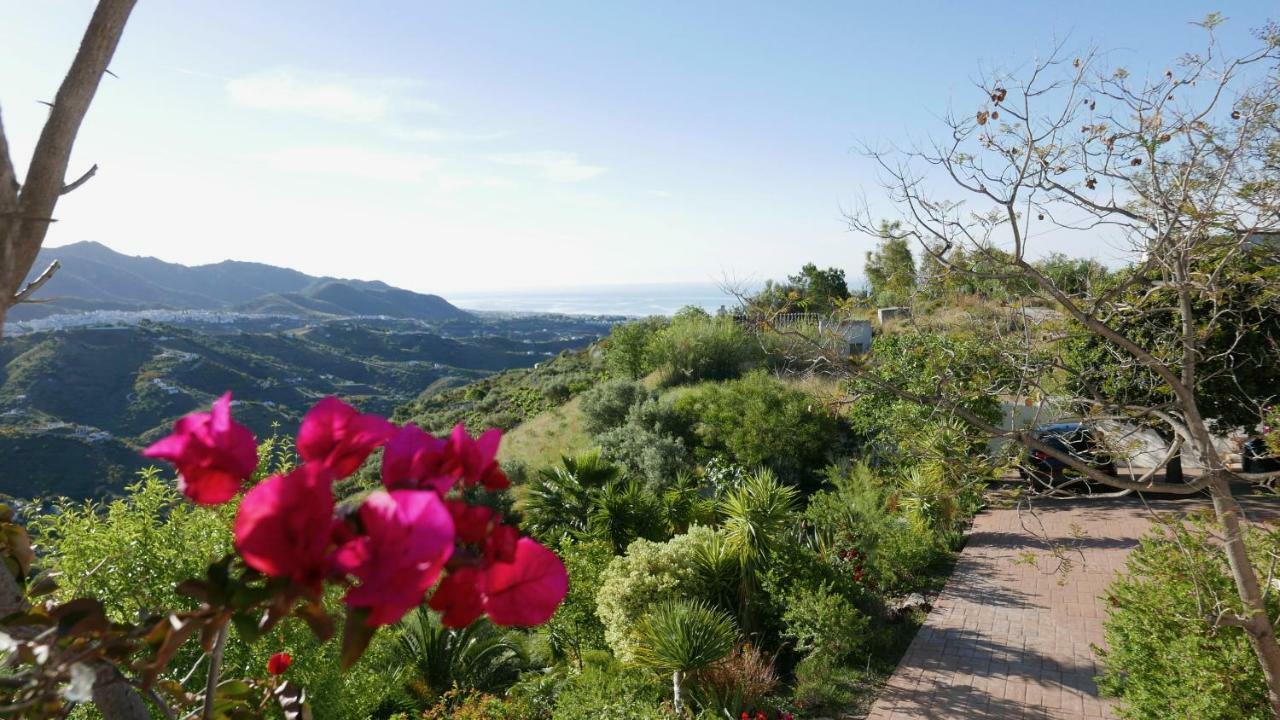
(528, 590)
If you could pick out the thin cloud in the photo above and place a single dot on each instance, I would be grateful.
(333, 98)
(352, 161)
(554, 165)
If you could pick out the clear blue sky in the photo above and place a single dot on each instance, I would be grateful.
(477, 145)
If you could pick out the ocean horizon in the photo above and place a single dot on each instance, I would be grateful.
(637, 300)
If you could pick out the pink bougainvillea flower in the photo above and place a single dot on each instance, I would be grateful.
(279, 663)
(527, 590)
(415, 459)
(408, 538)
(336, 435)
(471, 522)
(285, 523)
(500, 547)
(475, 459)
(458, 599)
(213, 453)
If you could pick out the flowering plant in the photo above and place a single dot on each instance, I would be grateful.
(416, 540)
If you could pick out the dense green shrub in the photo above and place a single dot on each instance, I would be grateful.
(1164, 660)
(646, 453)
(760, 421)
(693, 348)
(607, 406)
(857, 522)
(628, 351)
(575, 628)
(824, 623)
(480, 656)
(609, 689)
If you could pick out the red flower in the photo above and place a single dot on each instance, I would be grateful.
(408, 538)
(471, 522)
(476, 458)
(213, 453)
(334, 434)
(524, 590)
(527, 590)
(458, 599)
(501, 545)
(279, 663)
(284, 525)
(416, 460)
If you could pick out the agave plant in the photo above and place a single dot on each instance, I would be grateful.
(478, 657)
(680, 637)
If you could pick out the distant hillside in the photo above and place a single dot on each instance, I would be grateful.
(95, 277)
(77, 404)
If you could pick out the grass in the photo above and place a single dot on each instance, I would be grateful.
(540, 441)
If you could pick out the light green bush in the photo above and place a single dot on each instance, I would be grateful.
(760, 421)
(607, 406)
(649, 573)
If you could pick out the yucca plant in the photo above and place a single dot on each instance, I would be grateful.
(757, 516)
(478, 657)
(680, 637)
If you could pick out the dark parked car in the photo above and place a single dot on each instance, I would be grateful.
(1078, 440)
(1256, 457)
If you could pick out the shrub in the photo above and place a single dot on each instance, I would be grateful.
(606, 407)
(480, 656)
(759, 421)
(575, 628)
(634, 583)
(646, 453)
(1163, 659)
(628, 351)
(693, 348)
(608, 689)
(742, 680)
(822, 622)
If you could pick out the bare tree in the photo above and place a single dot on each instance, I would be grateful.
(26, 206)
(26, 211)
(1180, 172)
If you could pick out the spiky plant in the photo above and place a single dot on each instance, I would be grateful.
(479, 657)
(757, 516)
(560, 499)
(625, 511)
(684, 636)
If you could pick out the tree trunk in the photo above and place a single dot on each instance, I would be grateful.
(675, 691)
(1257, 624)
(115, 698)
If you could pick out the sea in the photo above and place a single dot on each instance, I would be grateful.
(629, 300)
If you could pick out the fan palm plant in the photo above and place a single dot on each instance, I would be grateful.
(681, 637)
(560, 499)
(479, 657)
(624, 511)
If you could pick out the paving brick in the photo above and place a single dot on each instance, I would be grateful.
(1007, 640)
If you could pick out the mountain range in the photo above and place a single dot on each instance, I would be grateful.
(92, 276)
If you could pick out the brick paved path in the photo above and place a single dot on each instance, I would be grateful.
(1005, 640)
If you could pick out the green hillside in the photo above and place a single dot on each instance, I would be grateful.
(77, 404)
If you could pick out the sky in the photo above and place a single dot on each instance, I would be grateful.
(476, 146)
